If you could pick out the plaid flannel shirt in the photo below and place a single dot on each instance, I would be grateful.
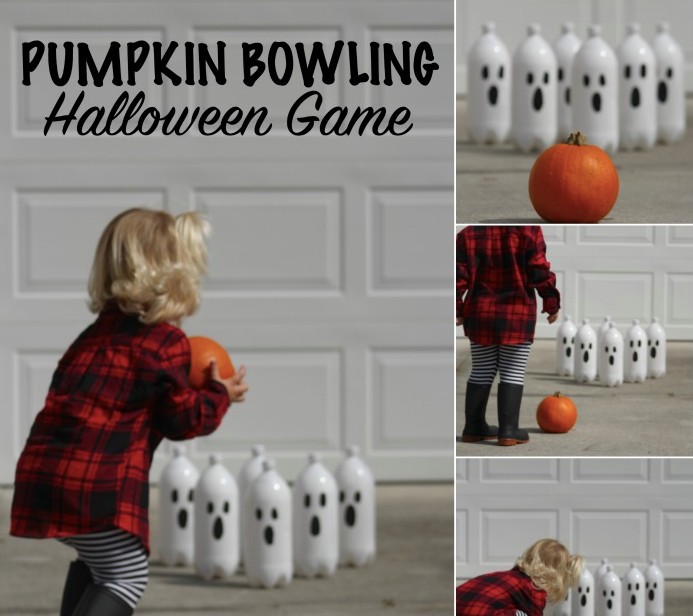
(504, 593)
(499, 268)
(119, 389)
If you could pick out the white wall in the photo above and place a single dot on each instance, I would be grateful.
(328, 277)
(626, 510)
(512, 18)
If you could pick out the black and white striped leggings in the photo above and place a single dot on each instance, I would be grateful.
(116, 559)
(510, 360)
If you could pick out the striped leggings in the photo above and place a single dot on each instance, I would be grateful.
(510, 360)
(116, 559)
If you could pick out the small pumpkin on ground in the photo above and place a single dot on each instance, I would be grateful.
(573, 182)
(556, 413)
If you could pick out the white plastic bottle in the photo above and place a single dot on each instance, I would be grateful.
(600, 333)
(585, 353)
(611, 358)
(635, 366)
(250, 470)
(316, 535)
(562, 608)
(176, 509)
(357, 518)
(565, 347)
(267, 546)
(565, 47)
(488, 90)
(595, 91)
(583, 595)
(654, 590)
(633, 600)
(608, 601)
(671, 93)
(534, 93)
(637, 104)
(217, 548)
(656, 350)
(599, 574)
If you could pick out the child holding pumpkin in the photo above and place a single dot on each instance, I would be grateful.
(544, 573)
(499, 268)
(120, 388)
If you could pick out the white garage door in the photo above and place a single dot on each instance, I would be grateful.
(512, 18)
(625, 510)
(329, 279)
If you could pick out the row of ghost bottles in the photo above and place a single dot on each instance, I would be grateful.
(176, 510)
(315, 521)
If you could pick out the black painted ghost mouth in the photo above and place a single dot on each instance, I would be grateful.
(635, 97)
(609, 604)
(611, 360)
(182, 518)
(315, 526)
(662, 92)
(653, 352)
(632, 600)
(537, 100)
(350, 516)
(269, 535)
(651, 595)
(635, 356)
(586, 356)
(493, 95)
(597, 102)
(568, 352)
(218, 528)
(583, 600)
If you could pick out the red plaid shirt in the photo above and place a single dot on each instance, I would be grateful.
(119, 389)
(500, 594)
(498, 270)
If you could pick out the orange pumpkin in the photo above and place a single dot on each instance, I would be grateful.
(556, 413)
(202, 351)
(573, 182)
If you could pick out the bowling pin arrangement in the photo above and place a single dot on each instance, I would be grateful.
(323, 522)
(636, 594)
(631, 97)
(609, 355)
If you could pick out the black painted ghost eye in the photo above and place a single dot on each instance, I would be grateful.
(530, 79)
(323, 499)
(605, 593)
(639, 343)
(258, 514)
(357, 497)
(587, 590)
(670, 73)
(275, 515)
(582, 345)
(501, 72)
(643, 71)
(546, 77)
(227, 506)
(191, 495)
(631, 344)
(560, 74)
(637, 586)
(341, 496)
(626, 71)
(565, 340)
(614, 349)
(602, 80)
(484, 72)
(590, 345)
(572, 340)
(606, 349)
(579, 589)
(210, 507)
(174, 496)
(306, 501)
(586, 80)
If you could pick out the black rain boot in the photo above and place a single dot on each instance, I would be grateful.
(509, 401)
(99, 601)
(475, 426)
(76, 582)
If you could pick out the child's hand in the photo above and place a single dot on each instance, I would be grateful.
(552, 318)
(235, 386)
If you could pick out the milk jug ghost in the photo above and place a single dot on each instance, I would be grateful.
(534, 97)
(316, 536)
(176, 509)
(267, 547)
(611, 357)
(583, 595)
(585, 353)
(251, 469)
(654, 590)
(633, 592)
(635, 367)
(356, 510)
(565, 47)
(637, 105)
(217, 547)
(595, 91)
(488, 90)
(608, 600)
(671, 95)
(565, 347)
(656, 350)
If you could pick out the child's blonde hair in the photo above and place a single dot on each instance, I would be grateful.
(150, 263)
(551, 567)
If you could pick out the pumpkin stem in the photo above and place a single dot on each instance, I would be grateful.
(557, 394)
(577, 138)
